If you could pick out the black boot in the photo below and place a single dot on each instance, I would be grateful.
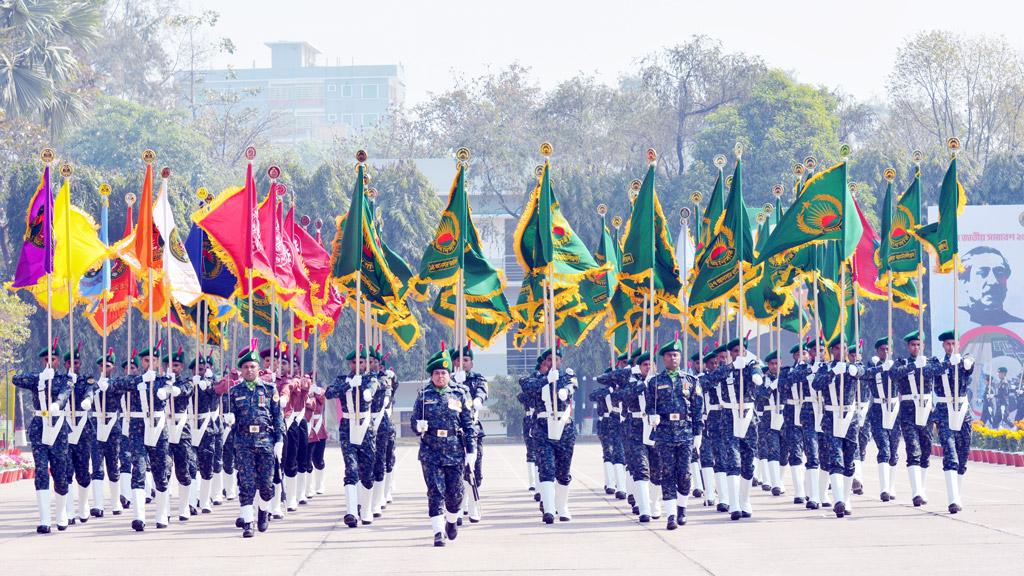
(698, 493)
(631, 500)
(858, 487)
(138, 525)
(798, 500)
(736, 515)
(536, 496)
(549, 518)
(96, 513)
(239, 522)
(722, 507)
(644, 518)
(776, 491)
(351, 521)
(671, 523)
(262, 520)
(812, 505)
(884, 497)
(620, 495)
(451, 530)
(839, 509)
(918, 501)
(125, 503)
(42, 529)
(681, 515)
(247, 530)
(438, 539)
(609, 491)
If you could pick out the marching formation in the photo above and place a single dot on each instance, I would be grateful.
(713, 425)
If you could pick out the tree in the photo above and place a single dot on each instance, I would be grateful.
(693, 80)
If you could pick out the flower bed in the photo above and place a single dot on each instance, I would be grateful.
(15, 465)
(1001, 446)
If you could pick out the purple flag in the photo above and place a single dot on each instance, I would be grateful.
(36, 258)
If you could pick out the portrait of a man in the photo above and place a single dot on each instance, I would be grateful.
(983, 283)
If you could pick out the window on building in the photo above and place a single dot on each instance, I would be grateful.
(332, 87)
(346, 91)
(332, 118)
(369, 91)
(370, 119)
(346, 119)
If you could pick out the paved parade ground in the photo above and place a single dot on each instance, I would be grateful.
(603, 538)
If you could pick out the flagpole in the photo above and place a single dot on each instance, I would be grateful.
(890, 175)
(917, 157)
(954, 145)
(652, 159)
(66, 171)
(47, 157)
(250, 154)
(104, 207)
(684, 218)
(738, 150)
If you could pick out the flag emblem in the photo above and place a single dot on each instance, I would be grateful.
(447, 238)
(902, 223)
(822, 214)
(722, 250)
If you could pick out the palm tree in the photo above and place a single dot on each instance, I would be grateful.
(39, 69)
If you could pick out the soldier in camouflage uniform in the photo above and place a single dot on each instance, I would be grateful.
(48, 434)
(609, 426)
(183, 454)
(446, 447)
(207, 436)
(674, 405)
(107, 448)
(887, 441)
(951, 385)
(259, 439)
(791, 450)
(712, 473)
(769, 433)
(641, 458)
(914, 377)
(82, 432)
(476, 388)
(355, 431)
(838, 381)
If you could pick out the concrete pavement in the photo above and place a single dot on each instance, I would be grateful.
(603, 537)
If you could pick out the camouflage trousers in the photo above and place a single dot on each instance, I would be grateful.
(444, 488)
(255, 473)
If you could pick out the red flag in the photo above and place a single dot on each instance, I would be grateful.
(865, 269)
(123, 291)
(280, 258)
(146, 249)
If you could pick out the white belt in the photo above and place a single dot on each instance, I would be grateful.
(206, 415)
(949, 399)
(617, 409)
(145, 415)
(637, 414)
(835, 408)
(792, 402)
(728, 405)
(541, 414)
(42, 414)
(713, 407)
(909, 397)
(529, 412)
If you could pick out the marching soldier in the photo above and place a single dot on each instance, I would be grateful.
(81, 434)
(801, 376)
(768, 398)
(550, 393)
(674, 405)
(790, 438)
(641, 458)
(294, 391)
(476, 385)
(179, 434)
(317, 439)
(48, 433)
(129, 367)
(208, 438)
(609, 425)
(710, 469)
(885, 430)
(953, 416)
(838, 382)
(391, 433)
(446, 447)
(914, 376)
(147, 436)
(107, 448)
(528, 441)
(738, 446)
(382, 430)
(356, 392)
(259, 439)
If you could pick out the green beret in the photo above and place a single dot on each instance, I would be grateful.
(374, 354)
(67, 355)
(112, 358)
(624, 357)
(852, 348)
(795, 348)
(695, 356)
(178, 356)
(192, 364)
(439, 361)
(145, 352)
(735, 342)
(915, 335)
(134, 361)
(671, 346)
(883, 341)
(55, 352)
(248, 355)
(947, 335)
(642, 357)
(466, 351)
(351, 356)
(834, 342)
(773, 355)
(809, 345)
(547, 352)
(1002, 369)
(710, 356)
(720, 349)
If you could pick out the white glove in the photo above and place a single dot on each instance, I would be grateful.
(815, 367)
(634, 370)
(229, 419)
(874, 360)
(175, 391)
(968, 362)
(162, 393)
(460, 376)
(367, 395)
(102, 384)
(356, 381)
(42, 385)
(149, 376)
(73, 377)
(478, 403)
(470, 459)
(839, 368)
(196, 379)
(654, 419)
(54, 407)
(697, 442)
(563, 394)
(86, 403)
(920, 361)
(954, 358)
(278, 449)
(203, 384)
(739, 363)
(553, 375)
(887, 364)
(390, 373)
(208, 374)
(729, 380)
(757, 379)
(46, 374)
(852, 369)
(421, 426)
(141, 387)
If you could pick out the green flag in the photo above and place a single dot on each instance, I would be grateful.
(444, 256)
(708, 225)
(261, 311)
(941, 237)
(487, 310)
(900, 250)
(824, 211)
(732, 246)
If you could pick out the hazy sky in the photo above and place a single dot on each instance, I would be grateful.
(850, 45)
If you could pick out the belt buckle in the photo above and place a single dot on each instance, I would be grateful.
(674, 416)
(442, 433)
(254, 429)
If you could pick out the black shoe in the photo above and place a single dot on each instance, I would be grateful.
(609, 491)
(709, 503)
(766, 488)
(239, 522)
(954, 508)
(722, 507)
(474, 520)
(536, 496)
(277, 516)
(564, 519)
(776, 491)
(439, 539)
(858, 487)
(698, 493)
(192, 510)
(115, 512)
(798, 500)
(375, 514)
(636, 510)
(207, 511)
(183, 518)
(680, 515)
(138, 525)
(247, 530)
(42, 529)
(812, 505)
(451, 530)
(62, 528)
(161, 526)
(745, 514)
(262, 521)
(351, 521)
(918, 501)
(631, 500)
(620, 495)
(366, 522)
(290, 509)
(549, 518)
(125, 503)
(149, 499)
(217, 502)
(644, 518)
(839, 509)
(71, 521)
(531, 489)
(736, 515)
(755, 482)
(96, 513)
(670, 524)
(458, 522)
